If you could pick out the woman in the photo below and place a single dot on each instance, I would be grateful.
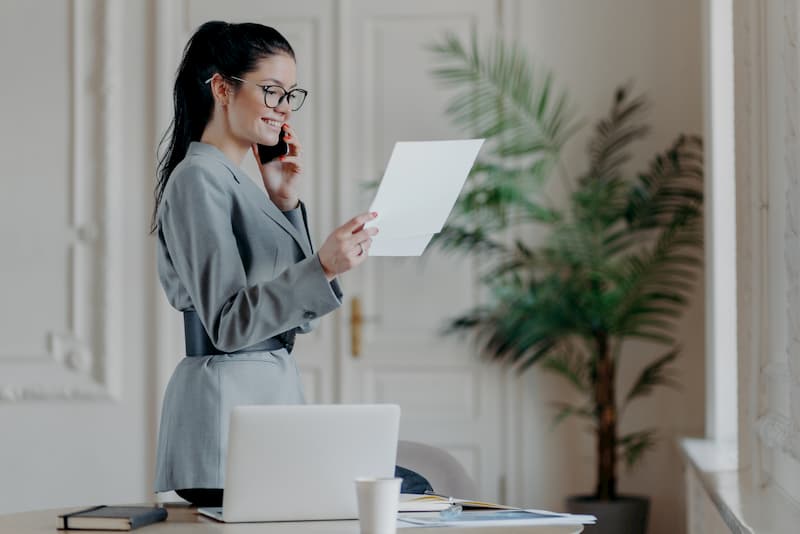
(238, 264)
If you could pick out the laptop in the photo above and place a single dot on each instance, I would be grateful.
(299, 462)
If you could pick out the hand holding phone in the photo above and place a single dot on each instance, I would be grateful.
(280, 167)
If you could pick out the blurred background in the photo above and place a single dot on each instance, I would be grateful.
(87, 341)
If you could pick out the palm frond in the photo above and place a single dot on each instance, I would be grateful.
(566, 410)
(570, 364)
(457, 238)
(656, 374)
(608, 149)
(652, 284)
(672, 190)
(500, 98)
(635, 444)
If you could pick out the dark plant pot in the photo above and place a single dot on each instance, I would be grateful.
(625, 515)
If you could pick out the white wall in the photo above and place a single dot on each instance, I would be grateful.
(74, 434)
(593, 46)
(68, 452)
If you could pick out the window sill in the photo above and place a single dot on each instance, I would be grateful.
(744, 508)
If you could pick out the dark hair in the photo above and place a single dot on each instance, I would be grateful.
(229, 49)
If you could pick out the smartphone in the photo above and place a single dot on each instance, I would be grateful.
(268, 153)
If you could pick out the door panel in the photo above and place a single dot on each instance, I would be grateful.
(448, 398)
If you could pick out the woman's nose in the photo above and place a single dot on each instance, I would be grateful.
(283, 106)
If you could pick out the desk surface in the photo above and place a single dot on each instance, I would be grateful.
(184, 520)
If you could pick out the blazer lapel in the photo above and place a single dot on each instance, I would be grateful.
(241, 178)
(276, 215)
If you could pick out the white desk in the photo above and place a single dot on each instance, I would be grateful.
(184, 520)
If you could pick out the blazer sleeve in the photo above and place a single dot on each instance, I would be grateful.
(195, 222)
(299, 219)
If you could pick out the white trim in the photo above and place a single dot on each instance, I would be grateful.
(87, 357)
(791, 243)
(752, 190)
(165, 324)
(720, 222)
(108, 171)
(167, 57)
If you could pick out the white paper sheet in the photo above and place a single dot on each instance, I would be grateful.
(494, 518)
(419, 189)
(399, 246)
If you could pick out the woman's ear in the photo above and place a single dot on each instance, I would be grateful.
(220, 89)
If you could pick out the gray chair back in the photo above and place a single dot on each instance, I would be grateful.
(446, 474)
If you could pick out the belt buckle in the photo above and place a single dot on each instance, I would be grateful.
(287, 338)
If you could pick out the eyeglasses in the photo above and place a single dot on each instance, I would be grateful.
(275, 94)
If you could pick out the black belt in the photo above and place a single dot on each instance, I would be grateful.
(199, 344)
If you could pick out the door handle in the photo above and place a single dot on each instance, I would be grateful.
(356, 324)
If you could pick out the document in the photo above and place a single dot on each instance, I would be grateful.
(412, 502)
(418, 190)
(495, 518)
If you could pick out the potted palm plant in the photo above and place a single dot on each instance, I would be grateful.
(570, 282)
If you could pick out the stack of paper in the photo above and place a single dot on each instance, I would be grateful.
(465, 512)
(432, 501)
(497, 518)
(419, 189)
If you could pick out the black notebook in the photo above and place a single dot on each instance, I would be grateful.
(111, 518)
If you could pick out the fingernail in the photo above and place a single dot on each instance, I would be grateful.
(281, 158)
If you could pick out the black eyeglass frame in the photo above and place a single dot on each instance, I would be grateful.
(266, 88)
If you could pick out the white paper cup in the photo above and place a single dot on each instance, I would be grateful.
(378, 499)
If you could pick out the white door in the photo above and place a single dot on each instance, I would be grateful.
(367, 72)
(447, 397)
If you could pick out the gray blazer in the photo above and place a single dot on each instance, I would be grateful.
(226, 251)
(249, 271)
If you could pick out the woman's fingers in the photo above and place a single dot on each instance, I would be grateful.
(292, 163)
(363, 235)
(291, 140)
(294, 146)
(357, 223)
(348, 245)
(364, 246)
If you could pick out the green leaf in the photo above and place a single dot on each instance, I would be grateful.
(566, 410)
(657, 373)
(634, 445)
(469, 241)
(570, 365)
(500, 98)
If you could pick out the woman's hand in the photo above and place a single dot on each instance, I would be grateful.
(281, 175)
(347, 246)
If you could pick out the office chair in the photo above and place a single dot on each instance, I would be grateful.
(446, 475)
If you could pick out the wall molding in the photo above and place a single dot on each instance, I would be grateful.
(84, 362)
(775, 432)
(767, 364)
(791, 230)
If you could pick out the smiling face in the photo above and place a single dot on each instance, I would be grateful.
(250, 120)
